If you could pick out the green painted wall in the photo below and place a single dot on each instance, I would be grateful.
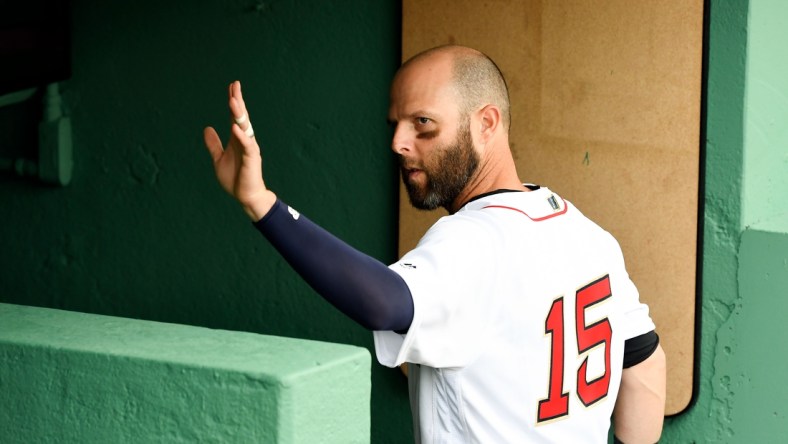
(758, 412)
(143, 231)
(745, 270)
(765, 200)
(71, 377)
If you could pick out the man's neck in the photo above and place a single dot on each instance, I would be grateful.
(496, 172)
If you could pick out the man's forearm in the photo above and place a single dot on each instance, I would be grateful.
(360, 286)
(640, 407)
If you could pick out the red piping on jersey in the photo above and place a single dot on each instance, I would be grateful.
(538, 219)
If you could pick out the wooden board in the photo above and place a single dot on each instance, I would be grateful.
(606, 112)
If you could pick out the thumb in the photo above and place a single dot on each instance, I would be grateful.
(213, 143)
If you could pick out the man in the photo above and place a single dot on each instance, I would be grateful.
(515, 312)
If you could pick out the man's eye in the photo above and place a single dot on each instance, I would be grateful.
(423, 120)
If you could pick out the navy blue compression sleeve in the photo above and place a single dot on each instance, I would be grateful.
(361, 287)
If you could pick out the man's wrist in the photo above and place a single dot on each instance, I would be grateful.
(259, 207)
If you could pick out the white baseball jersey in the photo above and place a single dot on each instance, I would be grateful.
(521, 309)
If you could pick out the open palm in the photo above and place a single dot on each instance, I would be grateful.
(238, 165)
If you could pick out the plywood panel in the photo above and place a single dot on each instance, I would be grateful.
(605, 111)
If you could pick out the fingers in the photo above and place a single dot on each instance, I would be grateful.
(212, 143)
(238, 109)
(241, 130)
(235, 89)
(248, 144)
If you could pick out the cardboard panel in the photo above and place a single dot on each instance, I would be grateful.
(606, 112)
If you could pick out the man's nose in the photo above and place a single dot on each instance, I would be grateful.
(400, 141)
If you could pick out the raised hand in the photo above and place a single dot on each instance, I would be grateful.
(238, 165)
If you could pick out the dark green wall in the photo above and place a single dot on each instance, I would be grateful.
(144, 231)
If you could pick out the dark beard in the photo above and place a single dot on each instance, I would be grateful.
(447, 173)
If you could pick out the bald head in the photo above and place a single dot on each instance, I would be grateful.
(476, 79)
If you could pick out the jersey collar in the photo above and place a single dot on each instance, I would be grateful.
(530, 186)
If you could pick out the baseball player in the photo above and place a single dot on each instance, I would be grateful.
(515, 312)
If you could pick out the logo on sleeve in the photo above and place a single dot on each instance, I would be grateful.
(407, 265)
(553, 202)
(293, 212)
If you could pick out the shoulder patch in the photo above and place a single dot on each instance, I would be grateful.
(553, 203)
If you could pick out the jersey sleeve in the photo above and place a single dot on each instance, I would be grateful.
(635, 319)
(451, 312)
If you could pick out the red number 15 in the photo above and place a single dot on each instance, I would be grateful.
(556, 404)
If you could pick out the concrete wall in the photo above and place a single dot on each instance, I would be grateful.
(144, 231)
(764, 184)
(758, 412)
(745, 259)
(71, 377)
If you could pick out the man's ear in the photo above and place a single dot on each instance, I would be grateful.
(490, 121)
